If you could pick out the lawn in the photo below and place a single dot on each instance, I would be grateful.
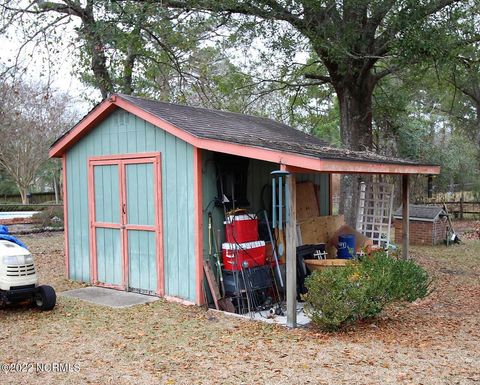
(434, 341)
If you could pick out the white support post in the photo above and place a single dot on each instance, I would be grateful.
(291, 240)
(405, 216)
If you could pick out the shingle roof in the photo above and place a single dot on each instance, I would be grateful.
(248, 130)
(421, 212)
(251, 130)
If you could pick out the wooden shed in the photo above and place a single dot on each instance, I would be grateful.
(428, 225)
(141, 176)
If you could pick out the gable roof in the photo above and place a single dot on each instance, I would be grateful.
(250, 130)
(421, 212)
(226, 126)
(227, 131)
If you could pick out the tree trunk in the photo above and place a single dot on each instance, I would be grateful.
(96, 49)
(477, 107)
(355, 102)
(55, 189)
(24, 195)
(129, 63)
(356, 118)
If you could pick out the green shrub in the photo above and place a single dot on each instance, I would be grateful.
(50, 217)
(340, 296)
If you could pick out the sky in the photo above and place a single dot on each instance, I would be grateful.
(59, 74)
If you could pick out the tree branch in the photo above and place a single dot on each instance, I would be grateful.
(323, 79)
(266, 9)
(378, 14)
(385, 72)
(69, 7)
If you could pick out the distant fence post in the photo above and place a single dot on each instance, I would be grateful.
(461, 206)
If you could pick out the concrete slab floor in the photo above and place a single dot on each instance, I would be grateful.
(109, 297)
(264, 316)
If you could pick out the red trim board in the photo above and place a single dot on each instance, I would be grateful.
(65, 214)
(159, 225)
(198, 205)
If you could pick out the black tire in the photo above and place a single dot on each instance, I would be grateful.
(45, 299)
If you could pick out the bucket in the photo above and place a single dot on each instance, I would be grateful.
(346, 243)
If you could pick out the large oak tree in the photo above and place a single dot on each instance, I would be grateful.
(358, 42)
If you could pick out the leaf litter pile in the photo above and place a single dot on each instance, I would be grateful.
(433, 341)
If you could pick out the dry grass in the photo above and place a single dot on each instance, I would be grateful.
(435, 341)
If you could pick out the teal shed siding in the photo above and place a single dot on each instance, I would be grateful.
(124, 133)
(209, 192)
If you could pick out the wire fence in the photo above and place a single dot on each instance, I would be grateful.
(15, 207)
(459, 209)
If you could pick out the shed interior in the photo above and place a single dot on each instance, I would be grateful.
(256, 182)
(234, 186)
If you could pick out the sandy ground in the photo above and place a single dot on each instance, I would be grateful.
(435, 341)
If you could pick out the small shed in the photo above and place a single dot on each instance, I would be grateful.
(141, 178)
(428, 225)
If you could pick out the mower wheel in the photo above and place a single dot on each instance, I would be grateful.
(45, 299)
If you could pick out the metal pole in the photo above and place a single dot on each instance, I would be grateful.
(274, 248)
(274, 204)
(280, 204)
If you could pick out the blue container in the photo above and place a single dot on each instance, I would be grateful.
(346, 243)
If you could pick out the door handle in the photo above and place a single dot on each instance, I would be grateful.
(124, 208)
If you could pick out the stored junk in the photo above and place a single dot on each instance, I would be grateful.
(243, 255)
(241, 228)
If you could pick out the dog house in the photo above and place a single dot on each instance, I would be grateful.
(142, 176)
(428, 225)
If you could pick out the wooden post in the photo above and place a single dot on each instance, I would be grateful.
(405, 216)
(461, 202)
(291, 240)
(430, 186)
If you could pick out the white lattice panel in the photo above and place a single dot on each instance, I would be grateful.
(375, 212)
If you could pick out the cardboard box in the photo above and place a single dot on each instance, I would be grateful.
(320, 230)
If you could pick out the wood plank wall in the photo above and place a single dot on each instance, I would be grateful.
(123, 133)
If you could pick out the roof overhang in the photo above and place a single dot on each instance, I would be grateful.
(291, 161)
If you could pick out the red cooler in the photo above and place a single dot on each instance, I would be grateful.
(241, 228)
(234, 255)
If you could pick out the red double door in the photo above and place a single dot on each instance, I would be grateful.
(125, 222)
